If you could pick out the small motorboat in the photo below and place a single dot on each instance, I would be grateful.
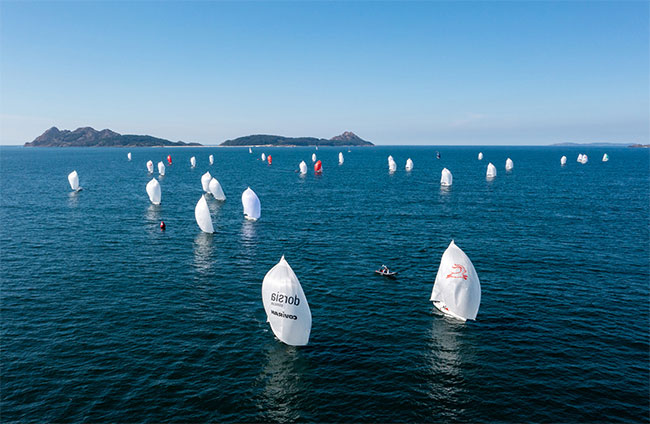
(386, 272)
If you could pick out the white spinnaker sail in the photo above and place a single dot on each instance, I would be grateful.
(457, 289)
(161, 168)
(409, 164)
(563, 160)
(446, 178)
(491, 171)
(211, 159)
(263, 157)
(605, 157)
(216, 190)
(73, 179)
(205, 182)
(128, 155)
(509, 164)
(480, 155)
(192, 161)
(202, 215)
(303, 167)
(150, 167)
(313, 157)
(154, 192)
(251, 204)
(286, 306)
(340, 158)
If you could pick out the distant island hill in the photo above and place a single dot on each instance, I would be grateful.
(89, 137)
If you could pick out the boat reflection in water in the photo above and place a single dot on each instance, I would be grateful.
(448, 358)
(203, 250)
(283, 382)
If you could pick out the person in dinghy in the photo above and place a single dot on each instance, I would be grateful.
(386, 272)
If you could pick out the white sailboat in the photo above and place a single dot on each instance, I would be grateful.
(202, 215)
(409, 164)
(392, 166)
(128, 155)
(605, 157)
(263, 156)
(457, 289)
(251, 204)
(73, 179)
(193, 162)
(446, 178)
(250, 150)
(154, 192)
(313, 157)
(584, 159)
(161, 168)
(303, 168)
(216, 190)
(579, 157)
(205, 182)
(211, 159)
(286, 306)
(509, 164)
(480, 155)
(491, 171)
(340, 158)
(563, 160)
(150, 167)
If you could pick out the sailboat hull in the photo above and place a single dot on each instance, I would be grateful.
(443, 308)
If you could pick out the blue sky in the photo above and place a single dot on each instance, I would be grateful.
(392, 72)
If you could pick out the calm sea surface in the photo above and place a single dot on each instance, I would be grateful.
(107, 318)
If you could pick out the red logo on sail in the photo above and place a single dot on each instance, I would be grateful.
(458, 271)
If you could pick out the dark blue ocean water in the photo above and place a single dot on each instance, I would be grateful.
(107, 318)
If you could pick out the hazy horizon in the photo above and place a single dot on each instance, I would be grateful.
(415, 73)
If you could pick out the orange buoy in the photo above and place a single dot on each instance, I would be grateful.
(318, 167)
(268, 158)
(169, 159)
(162, 225)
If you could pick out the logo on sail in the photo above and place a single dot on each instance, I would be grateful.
(458, 271)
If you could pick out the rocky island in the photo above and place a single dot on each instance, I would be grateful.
(346, 139)
(89, 137)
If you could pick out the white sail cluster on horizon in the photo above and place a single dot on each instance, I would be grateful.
(161, 168)
(303, 167)
(563, 160)
(73, 179)
(154, 192)
(150, 167)
(205, 182)
(216, 190)
(457, 289)
(193, 162)
(509, 164)
(202, 215)
(491, 171)
(409, 164)
(251, 204)
(285, 304)
(446, 179)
